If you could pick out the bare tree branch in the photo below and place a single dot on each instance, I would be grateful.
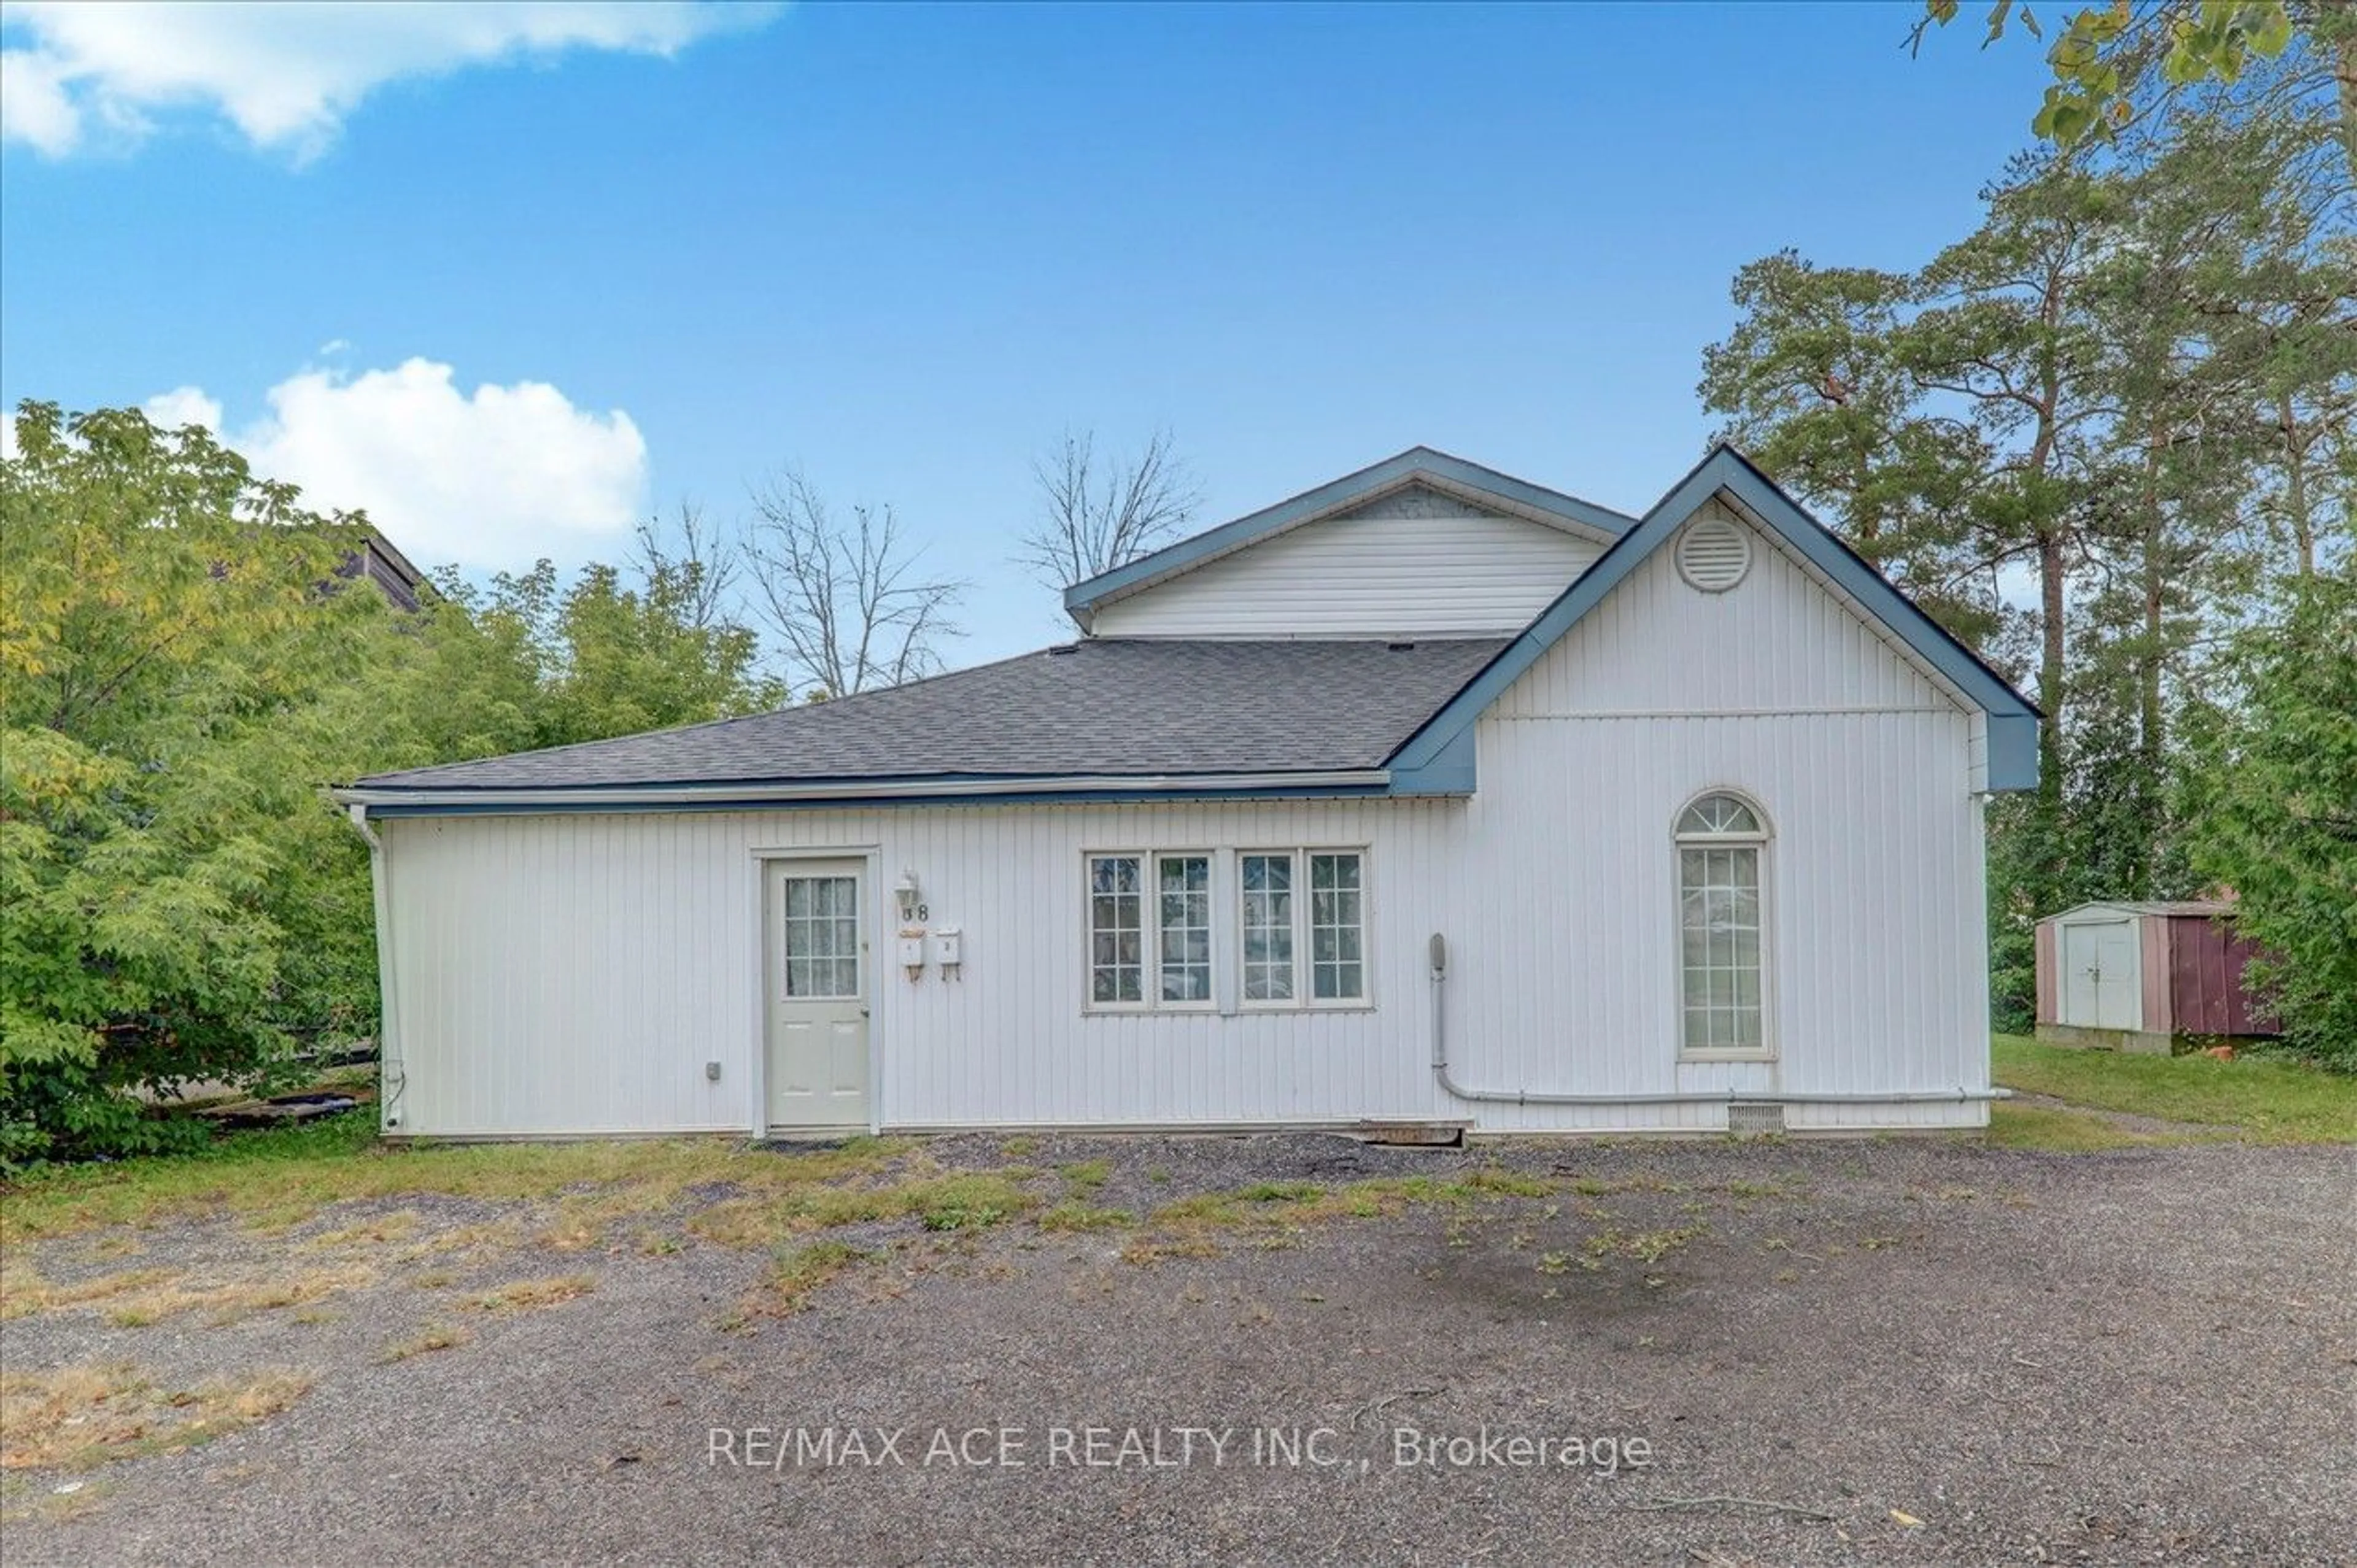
(1095, 515)
(843, 598)
(697, 556)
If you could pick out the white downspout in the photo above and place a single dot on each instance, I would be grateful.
(392, 1078)
(1439, 961)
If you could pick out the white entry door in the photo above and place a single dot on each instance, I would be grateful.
(2099, 974)
(817, 979)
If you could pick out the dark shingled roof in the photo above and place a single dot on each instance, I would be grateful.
(1111, 706)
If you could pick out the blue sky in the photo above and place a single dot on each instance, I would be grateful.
(905, 248)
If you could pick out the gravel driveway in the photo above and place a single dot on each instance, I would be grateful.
(1918, 1352)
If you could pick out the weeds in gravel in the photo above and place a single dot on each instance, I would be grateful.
(1645, 1245)
(234, 1302)
(951, 1201)
(1076, 1216)
(527, 1296)
(80, 1416)
(795, 1272)
(433, 1336)
(385, 1227)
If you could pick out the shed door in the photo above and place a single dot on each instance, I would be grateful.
(817, 978)
(2099, 976)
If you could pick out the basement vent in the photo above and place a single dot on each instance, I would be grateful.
(1713, 554)
(1753, 1119)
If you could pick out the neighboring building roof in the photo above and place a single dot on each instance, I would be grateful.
(2013, 719)
(378, 561)
(2207, 907)
(1418, 464)
(1178, 712)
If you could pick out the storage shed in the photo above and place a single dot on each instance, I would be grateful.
(2139, 976)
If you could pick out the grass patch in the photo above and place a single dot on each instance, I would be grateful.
(23, 1293)
(82, 1417)
(426, 1341)
(2267, 1101)
(1086, 1175)
(2059, 1129)
(283, 1175)
(529, 1296)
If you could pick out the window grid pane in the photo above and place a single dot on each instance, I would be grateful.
(1267, 882)
(1337, 970)
(821, 937)
(1116, 930)
(1720, 943)
(1184, 884)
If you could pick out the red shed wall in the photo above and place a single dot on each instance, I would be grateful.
(2152, 935)
(2205, 980)
(2050, 976)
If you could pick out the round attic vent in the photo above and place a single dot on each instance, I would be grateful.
(1713, 554)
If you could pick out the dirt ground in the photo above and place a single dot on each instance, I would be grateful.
(1914, 1352)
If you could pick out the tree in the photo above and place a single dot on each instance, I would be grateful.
(1095, 515)
(2272, 808)
(183, 674)
(2108, 57)
(1813, 383)
(844, 600)
(166, 621)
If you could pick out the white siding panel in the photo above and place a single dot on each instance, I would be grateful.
(1367, 576)
(573, 973)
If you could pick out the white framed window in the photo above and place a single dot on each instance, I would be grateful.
(1721, 842)
(1288, 928)
(1338, 914)
(1117, 930)
(1302, 927)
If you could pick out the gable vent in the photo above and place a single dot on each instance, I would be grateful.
(1713, 554)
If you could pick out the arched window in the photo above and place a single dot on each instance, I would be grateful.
(1721, 839)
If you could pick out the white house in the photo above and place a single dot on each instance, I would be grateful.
(1428, 797)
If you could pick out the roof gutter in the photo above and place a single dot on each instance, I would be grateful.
(396, 797)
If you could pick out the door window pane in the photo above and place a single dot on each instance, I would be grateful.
(821, 937)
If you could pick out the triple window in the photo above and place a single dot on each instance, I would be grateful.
(1295, 920)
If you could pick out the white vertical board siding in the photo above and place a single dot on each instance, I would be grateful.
(1877, 965)
(1368, 576)
(573, 973)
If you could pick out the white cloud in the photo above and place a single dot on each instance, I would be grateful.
(183, 407)
(286, 74)
(494, 480)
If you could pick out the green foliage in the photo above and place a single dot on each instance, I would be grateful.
(2131, 392)
(2106, 58)
(183, 674)
(2272, 807)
